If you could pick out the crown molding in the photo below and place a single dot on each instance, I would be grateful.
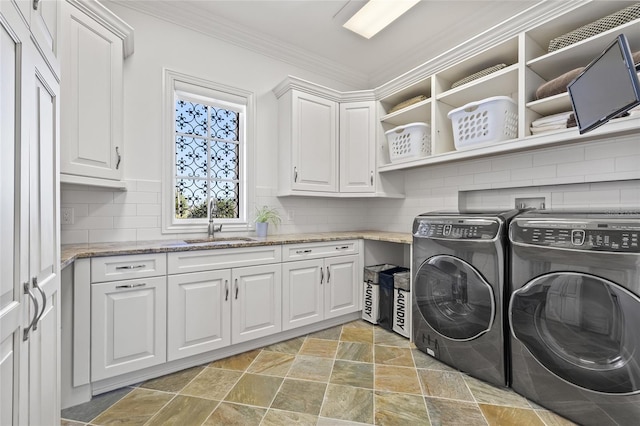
(211, 26)
(296, 83)
(527, 19)
(108, 19)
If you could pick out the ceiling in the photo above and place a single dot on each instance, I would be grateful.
(311, 32)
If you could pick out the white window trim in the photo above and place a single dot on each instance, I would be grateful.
(173, 81)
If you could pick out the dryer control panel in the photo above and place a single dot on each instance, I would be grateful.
(456, 228)
(618, 237)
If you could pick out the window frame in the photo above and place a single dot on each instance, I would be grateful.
(194, 87)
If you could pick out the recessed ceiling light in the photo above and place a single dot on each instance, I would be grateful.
(377, 14)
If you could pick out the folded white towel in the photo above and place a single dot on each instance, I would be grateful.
(560, 118)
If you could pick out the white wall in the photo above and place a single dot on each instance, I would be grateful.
(570, 173)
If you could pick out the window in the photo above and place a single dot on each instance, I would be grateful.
(208, 153)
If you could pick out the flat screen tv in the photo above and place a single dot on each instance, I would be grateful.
(607, 87)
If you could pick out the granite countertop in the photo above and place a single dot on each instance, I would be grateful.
(71, 252)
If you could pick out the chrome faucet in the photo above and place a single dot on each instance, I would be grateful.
(213, 212)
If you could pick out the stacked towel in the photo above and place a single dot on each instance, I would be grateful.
(552, 122)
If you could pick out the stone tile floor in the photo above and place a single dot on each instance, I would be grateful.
(352, 374)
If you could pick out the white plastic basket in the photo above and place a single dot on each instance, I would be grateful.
(489, 120)
(410, 140)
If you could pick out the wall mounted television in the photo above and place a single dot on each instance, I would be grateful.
(607, 87)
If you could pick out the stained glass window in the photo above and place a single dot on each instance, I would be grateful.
(207, 158)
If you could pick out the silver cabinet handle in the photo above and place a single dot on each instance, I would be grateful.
(328, 275)
(236, 284)
(119, 158)
(131, 285)
(226, 290)
(321, 276)
(371, 177)
(342, 248)
(27, 290)
(295, 174)
(131, 267)
(34, 283)
(36, 3)
(303, 251)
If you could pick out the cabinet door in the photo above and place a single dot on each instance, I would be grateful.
(341, 292)
(357, 146)
(128, 326)
(92, 91)
(45, 27)
(199, 313)
(314, 143)
(256, 309)
(12, 301)
(44, 257)
(302, 293)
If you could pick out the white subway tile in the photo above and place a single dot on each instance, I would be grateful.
(629, 163)
(498, 177)
(150, 234)
(112, 209)
(512, 162)
(82, 197)
(459, 181)
(148, 209)
(612, 148)
(474, 167)
(112, 235)
(558, 156)
(588, 198)
(531, 173)
(129, 197)
(585, 168)
(136, 222)
(79, 210)
(89, 222)
(559, 180)
(149, 186)
(74, 236)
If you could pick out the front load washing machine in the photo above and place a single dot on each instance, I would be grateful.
(459, 277)
(574, 314)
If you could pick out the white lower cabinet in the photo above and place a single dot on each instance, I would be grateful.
(319, 289)
(257, 302)
(198, 313)
(128, 326)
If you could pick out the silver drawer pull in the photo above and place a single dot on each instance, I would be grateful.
(303, 251)
(342, 248)
(131, 285)
(131, 267)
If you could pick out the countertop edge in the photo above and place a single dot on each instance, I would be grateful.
(69, 253)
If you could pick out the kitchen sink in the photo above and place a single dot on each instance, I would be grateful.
(219, 241)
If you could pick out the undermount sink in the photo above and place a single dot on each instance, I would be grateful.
(227, 240)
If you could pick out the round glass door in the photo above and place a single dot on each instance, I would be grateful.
(582, 328)
(454, 298)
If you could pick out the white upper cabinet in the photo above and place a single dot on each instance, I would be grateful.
(45, 27)
(327, 143)
(357, 150)
(94, 45)
(314, 143)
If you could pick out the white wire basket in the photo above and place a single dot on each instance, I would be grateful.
(489, 120)
(412, 140)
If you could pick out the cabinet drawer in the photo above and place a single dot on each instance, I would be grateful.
(129, 266)
(207, 260)
(319, 250)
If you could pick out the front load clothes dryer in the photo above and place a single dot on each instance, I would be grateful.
(574, 314)
(459, 283)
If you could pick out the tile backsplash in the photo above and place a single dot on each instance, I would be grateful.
(592, 174)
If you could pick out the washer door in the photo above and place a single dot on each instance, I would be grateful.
(582, 328)
(454, 298)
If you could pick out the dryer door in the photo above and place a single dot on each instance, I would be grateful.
(454, 298)
(582, 328)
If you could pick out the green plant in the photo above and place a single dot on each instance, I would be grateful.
(268, 214)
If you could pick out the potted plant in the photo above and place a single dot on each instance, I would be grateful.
(264, 216)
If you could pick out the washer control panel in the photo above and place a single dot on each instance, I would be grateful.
(622, 237)
(456, 228)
